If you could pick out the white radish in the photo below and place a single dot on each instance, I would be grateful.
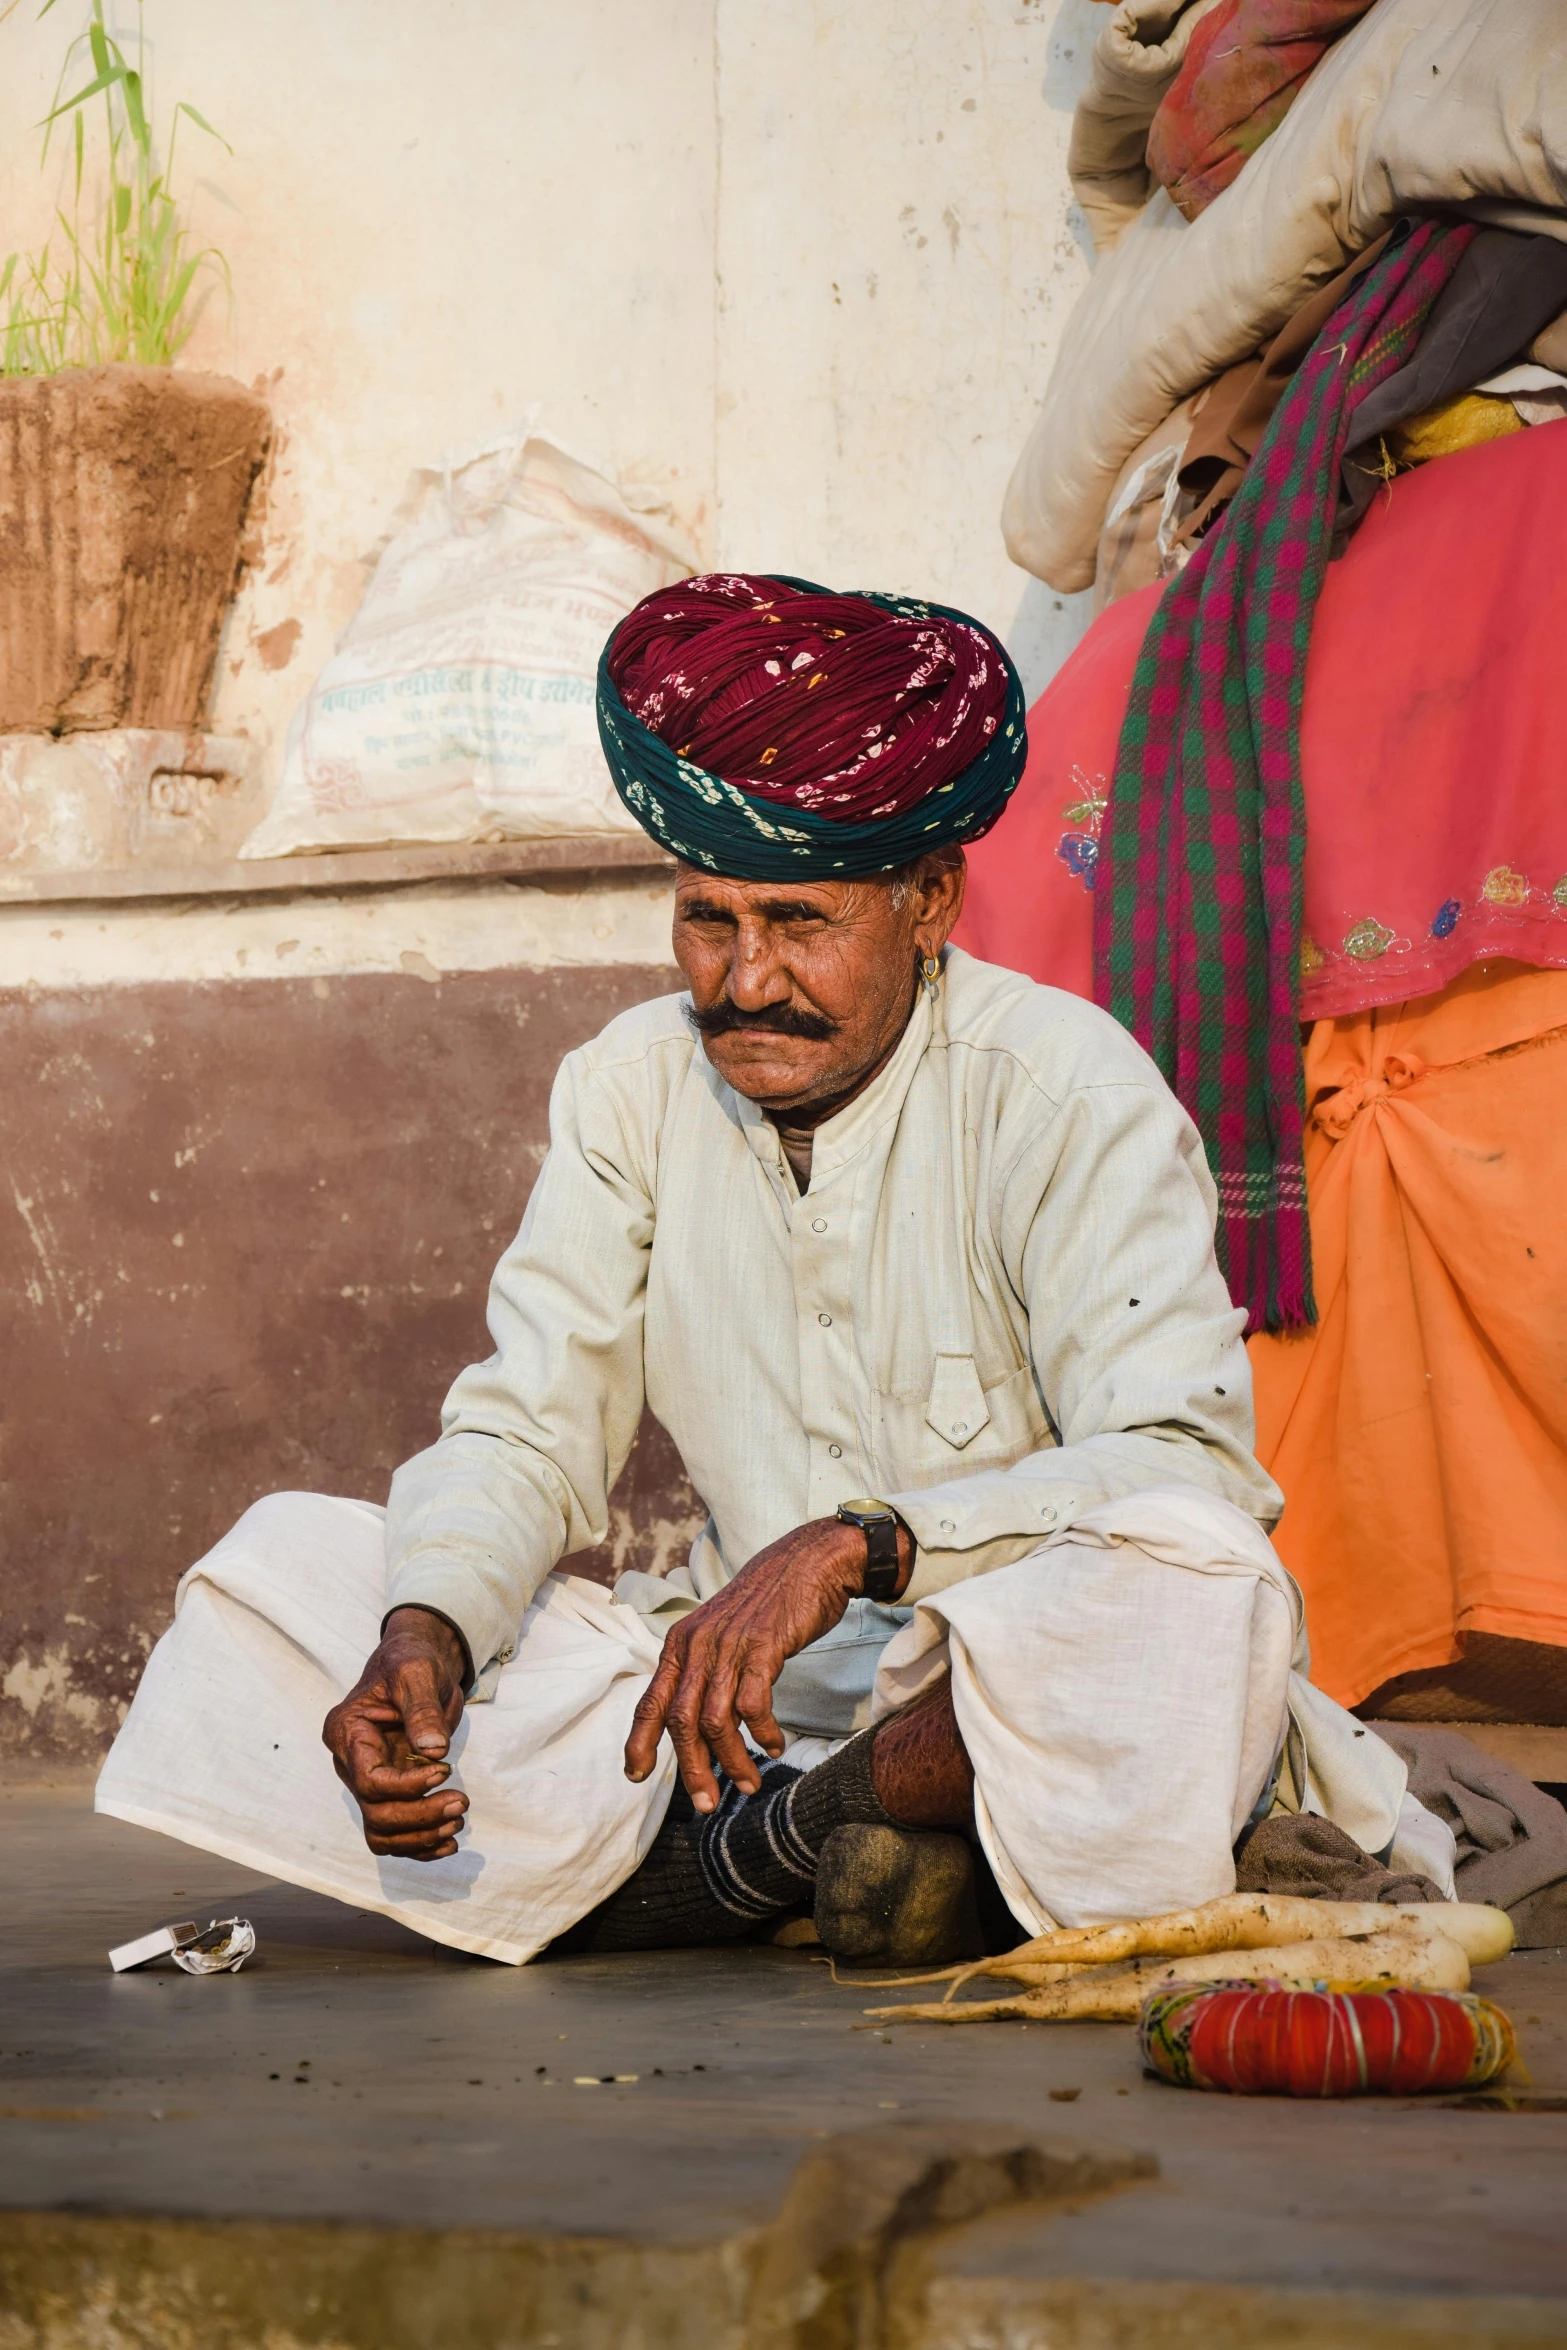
(1239, 1921)
(1419, 1960)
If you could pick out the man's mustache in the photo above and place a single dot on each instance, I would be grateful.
(726, 1019)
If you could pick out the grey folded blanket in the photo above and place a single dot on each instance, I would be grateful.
(1301, 1854)
(1512, 1839)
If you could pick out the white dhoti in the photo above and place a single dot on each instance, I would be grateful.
(1128, 1695)
(222, 1746)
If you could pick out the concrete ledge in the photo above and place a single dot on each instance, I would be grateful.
(349, 869)
(108, 798)
(367, 2140)
(78, 2282)
(1085, 2313)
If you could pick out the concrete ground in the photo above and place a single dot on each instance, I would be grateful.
(654, 2110)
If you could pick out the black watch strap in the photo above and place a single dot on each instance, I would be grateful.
(879, 1524)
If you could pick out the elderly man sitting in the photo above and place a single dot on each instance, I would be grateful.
(913, 1259)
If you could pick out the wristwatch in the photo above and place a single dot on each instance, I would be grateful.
(878, 1522)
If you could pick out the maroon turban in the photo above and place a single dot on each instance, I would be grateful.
(831, 702)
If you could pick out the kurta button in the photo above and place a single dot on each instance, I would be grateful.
(949, 1526)
(1048, 1515)
(819, 1224)
(825, 1321)
(836, 1451)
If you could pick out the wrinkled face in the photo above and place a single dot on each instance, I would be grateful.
(802, 990)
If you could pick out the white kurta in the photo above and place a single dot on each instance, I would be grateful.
(996, 1306)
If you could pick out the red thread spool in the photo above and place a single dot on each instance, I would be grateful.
(1261, 2040)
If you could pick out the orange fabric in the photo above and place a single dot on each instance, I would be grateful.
(1420, 1431)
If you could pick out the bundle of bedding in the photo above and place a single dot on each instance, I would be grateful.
(1449, 107)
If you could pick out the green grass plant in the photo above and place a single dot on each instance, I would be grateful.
(120, 279)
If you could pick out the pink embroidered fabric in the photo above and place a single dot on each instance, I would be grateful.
(1433, 746)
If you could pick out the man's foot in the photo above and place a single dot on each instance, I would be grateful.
(901, 1897)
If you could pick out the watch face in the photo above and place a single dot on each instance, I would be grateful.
(864, 1508)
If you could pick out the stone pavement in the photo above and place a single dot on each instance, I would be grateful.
(599, 2151)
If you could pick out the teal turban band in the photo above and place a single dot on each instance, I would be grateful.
(767, 729)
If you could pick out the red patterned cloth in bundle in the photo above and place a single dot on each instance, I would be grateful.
(1242, 73)
(1259, 2040)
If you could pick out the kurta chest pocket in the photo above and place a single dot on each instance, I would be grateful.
(956, 1409)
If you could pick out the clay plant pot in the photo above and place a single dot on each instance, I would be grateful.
(123, 493)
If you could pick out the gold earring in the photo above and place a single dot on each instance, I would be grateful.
(930, 974)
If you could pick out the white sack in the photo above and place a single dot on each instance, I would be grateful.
(1424, 103)
(459, 705)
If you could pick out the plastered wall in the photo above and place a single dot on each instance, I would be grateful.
(802, 265)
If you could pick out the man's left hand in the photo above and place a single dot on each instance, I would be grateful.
(720, 1662)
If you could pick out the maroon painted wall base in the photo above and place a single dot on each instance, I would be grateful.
(246, 1230)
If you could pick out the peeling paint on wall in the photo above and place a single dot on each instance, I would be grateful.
(58, 1713)
(246, 1234)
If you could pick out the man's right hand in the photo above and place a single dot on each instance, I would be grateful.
(389, 1736)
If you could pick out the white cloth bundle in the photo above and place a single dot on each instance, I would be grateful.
(1458, 104)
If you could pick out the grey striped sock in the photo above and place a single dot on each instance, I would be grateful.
(752, 1862)
(714, 1879)
(759, 1852)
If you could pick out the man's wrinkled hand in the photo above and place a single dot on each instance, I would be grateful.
(389, 1736)
(719, 1663)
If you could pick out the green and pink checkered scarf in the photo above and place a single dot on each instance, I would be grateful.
(1197, 908)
